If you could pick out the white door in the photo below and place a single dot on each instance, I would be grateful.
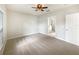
(72, 28)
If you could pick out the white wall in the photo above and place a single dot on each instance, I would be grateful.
(23, 24)
(42, 24)
(60, 20)
(1, 29)
(3, 10)
(59, 24)
(1, 21)
(20, 24)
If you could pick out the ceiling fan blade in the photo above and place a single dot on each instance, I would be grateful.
(36, 10)
(45, 7)
(33, 7)
(42, 10)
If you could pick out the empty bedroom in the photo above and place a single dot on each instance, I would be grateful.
(39, 29)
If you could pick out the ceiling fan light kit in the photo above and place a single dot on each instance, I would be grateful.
(40, 7)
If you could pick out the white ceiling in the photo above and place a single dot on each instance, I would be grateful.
(27, 8)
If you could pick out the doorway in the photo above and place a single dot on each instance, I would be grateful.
(51, 25)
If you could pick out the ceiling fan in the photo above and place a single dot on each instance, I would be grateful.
(40, 7)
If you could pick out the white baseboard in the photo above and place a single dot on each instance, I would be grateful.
(45, 34)
(16, 36)
(3, 46)
(62, 39)
(2, 49)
